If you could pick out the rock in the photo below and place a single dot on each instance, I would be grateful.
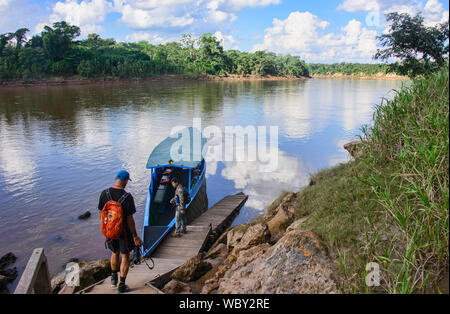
(93, 271)
(278, 224)
(354, 148)
(222, 239)
(84, 216)
(73, 260)
(177, 287)
(287, 204)
(10, 274)
(254, 235)
(67, 290)
(210, 286)
(297, 224)
(57, 282)
(220, 250)
(296, 264)
(7, 259)
(243, 236)
(235, 235)
(193, 269)
(3, 285)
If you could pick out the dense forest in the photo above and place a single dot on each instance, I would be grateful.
(348, 68)
(56, 53)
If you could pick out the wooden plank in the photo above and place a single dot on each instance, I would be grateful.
(184, 252)
(173, 252)
(35, 278)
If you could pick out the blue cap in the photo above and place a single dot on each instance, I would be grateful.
(123, 175)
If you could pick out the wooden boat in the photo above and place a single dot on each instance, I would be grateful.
(189, 167)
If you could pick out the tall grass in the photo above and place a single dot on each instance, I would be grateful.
(408, 151)
(391, 205)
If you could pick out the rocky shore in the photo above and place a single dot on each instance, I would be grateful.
(90, 273)
(7, 274)
(272, 254)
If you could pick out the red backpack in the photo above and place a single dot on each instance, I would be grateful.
(112, 218)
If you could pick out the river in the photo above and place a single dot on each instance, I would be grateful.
(61, 146)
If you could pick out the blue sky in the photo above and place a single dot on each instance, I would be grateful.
(318, 31)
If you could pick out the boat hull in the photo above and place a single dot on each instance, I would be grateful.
(153, 233)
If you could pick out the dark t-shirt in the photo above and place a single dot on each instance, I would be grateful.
(128, 205)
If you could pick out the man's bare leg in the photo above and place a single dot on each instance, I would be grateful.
(124, 265)
(115, 261)
(114, 268)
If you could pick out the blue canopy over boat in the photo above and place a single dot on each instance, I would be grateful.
(185, 148)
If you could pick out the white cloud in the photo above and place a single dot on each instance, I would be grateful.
(162, 18)
(151, 38)
(228, 42)
(87, 14)
(141, 14)
(358, 5)
(237, 5)
(184, 16)
(432, 10)
(138, 15)
(303, 33)
(434, 13)
(16, 159)
(4, 4)
(263, 187)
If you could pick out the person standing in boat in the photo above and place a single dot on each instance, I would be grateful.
(129, 239)
(179, 201)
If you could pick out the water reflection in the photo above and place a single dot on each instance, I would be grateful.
(60, 146)
(263, 187)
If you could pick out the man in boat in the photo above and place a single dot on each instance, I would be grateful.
(129, 238)
(180, 203)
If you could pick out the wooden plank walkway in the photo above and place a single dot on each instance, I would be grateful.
(173, 252)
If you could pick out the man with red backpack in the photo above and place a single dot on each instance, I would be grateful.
(117, 224)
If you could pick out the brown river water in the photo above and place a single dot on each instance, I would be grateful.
(61, 146)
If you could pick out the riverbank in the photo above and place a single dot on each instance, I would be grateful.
(74, 81)
(77, 81)
(362, 76)
(377, 224)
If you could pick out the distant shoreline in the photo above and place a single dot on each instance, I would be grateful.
(168, 78)
(74, 81)
(379, 76)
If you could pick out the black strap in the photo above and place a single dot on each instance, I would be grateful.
(123, 198)
(108, 195)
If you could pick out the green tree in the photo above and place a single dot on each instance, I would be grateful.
(19, 35)
(210, 55)
(4, 40)
(58, 41)
(416, 45)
